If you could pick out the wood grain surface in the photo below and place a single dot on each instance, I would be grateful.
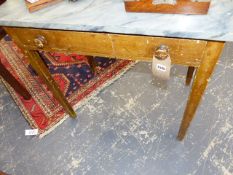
(196, 53)
(181, 7)
(211, 56)
(182, 51)
(40, 4)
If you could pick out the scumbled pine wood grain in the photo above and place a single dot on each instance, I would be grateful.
(123, 47)
(182, 51)
(211, 56)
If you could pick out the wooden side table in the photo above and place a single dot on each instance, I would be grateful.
(200, 54)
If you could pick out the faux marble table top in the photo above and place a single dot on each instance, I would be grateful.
(110, 16)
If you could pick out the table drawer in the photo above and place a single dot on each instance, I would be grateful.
(182, 51)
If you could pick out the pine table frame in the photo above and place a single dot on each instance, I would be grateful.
(200, 54)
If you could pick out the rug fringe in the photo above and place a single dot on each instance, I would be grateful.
(89, 97)
(54, 127)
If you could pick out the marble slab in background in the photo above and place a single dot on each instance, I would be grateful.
(110, 16)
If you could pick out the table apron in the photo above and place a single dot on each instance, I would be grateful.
(187, 52)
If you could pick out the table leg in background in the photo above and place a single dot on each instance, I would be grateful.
(189, 75)
(92, 63)
(6, 75)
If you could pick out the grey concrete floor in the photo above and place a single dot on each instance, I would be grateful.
(129, 128)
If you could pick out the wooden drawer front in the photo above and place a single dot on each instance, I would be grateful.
(182, 51)
(65, 41)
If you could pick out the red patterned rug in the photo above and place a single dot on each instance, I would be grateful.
(73, 75)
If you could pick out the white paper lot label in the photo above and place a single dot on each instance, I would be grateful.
(161, 67)
(31, 132)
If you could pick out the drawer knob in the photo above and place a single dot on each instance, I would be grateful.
(40, 41)
(162, 52)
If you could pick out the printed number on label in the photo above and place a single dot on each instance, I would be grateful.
(161, 67)
(31, 132)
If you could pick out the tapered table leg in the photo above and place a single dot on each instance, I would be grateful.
(41, 69)
(189, 75)
(6, 75)
(92, 63)
(2, 33)
(212, 54)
